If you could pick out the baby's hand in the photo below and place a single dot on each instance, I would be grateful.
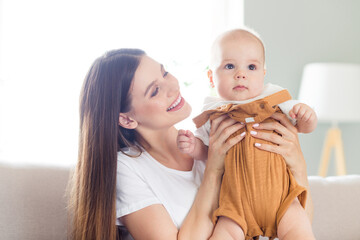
(186, 141)
(305, 117)
(302, 112)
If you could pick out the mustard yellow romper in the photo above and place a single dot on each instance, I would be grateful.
(257, 186)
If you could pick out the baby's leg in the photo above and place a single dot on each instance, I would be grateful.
(227, 229)
(295, 224)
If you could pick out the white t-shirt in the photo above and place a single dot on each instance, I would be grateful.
(213, 102)
(142, 181)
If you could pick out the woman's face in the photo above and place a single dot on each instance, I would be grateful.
(156, 101)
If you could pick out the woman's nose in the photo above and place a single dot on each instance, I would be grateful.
(173, 88)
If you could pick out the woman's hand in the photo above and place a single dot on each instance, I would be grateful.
(221, 129)
(286, 145)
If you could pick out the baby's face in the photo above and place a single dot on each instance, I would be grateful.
(239, 68)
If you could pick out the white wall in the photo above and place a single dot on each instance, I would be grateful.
(299, 32)
(1, 20)
(1, 81)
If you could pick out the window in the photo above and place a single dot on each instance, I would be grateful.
(48, 46)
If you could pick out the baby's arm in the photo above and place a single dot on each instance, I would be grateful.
(191, 145)
(305, 116)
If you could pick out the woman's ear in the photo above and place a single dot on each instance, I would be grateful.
(127, 122)
(210, 76)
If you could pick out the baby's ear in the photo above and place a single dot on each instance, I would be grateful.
(127, 122)
(210, 76)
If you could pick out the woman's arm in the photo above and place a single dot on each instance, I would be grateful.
(289, 147)
(154, 222)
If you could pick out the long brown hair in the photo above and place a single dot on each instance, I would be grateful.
(104, 94)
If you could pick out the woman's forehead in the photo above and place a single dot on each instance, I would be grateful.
(147, 67)
(147, 72)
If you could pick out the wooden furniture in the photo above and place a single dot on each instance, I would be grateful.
(334, 142)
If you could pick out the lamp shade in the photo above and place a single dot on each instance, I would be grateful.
(333, 90)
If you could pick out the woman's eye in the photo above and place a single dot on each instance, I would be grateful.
(252, 67)
(229, 66)
(155, 92)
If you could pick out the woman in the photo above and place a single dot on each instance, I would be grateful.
(130, 171)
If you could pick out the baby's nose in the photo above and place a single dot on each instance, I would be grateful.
(240, 75)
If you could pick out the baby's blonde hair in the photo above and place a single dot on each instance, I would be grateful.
(233, 33)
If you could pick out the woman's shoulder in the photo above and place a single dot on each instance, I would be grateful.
(130, 155)
(130, 152)
(131, 164)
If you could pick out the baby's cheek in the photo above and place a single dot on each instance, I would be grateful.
(256, 91)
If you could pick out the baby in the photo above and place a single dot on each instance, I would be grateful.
(257, 189)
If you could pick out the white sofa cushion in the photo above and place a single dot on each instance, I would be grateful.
(33, 203)
(33, 206)
(336, 207)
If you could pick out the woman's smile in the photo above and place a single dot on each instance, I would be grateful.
(177, 104)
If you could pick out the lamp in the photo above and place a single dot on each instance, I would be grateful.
(333, 90)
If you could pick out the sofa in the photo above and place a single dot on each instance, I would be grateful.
(33, 204)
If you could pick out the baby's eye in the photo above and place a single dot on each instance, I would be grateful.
(229, 66)
(252, 67)
(165, 74)
(155, 92)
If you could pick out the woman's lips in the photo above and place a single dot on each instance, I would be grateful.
(177, 104)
